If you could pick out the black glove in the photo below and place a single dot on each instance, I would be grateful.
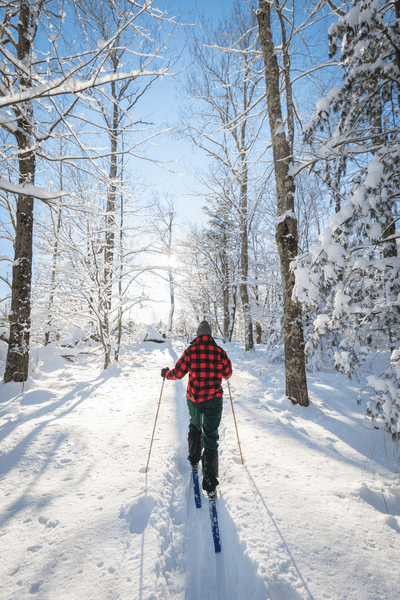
(164, 372)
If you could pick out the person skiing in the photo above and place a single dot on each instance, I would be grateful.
(206, 364)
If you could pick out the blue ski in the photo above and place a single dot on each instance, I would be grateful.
(214, 525)
(196, 488)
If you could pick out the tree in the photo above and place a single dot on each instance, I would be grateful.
(202, 283)
(211, 274)
(116, 103)
(30, 87)
(164, 223)
(225, 121)
(81, 292)
(22, 129)
(356, 261)
(224, 252)
(286, 228)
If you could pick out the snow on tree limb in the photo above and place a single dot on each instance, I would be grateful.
(72, 85)
(31, 190)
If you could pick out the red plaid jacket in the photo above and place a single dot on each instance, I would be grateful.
(206, 364)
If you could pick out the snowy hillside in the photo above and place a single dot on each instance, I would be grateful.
(313, 514)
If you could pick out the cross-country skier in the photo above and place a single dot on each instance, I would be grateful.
(206, 364)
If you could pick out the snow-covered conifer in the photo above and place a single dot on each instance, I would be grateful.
(353, 274)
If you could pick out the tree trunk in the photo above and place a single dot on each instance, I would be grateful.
(20, 316)
(172, 300)
(52, 282)
(244, 290)
(244, 244)
(286, 229)
(233, 312)
(258, 333)
(112, 190)
(110, 228)
(225, 289)
(121, 265)
(54, 266)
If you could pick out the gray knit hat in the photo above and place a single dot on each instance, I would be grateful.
(203, 329)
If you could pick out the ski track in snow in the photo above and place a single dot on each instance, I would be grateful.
(306, 517)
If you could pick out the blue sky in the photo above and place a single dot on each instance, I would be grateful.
(164, 102)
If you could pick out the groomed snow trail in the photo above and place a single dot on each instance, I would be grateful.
(301, 520)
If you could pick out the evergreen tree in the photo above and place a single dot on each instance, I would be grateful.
(355, 265)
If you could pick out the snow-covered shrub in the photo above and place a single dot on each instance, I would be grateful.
(385, 403)
(77, 335)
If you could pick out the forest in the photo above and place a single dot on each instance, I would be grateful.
(166, 162)
(294, 107)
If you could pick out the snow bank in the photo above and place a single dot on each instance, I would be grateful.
(3, 350)
(74, 337)
(313, 513)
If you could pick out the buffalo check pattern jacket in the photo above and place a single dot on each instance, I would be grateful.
(206, 364)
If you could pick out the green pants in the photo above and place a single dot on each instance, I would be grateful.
(206, 416)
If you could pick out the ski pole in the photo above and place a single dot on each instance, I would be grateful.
(234, 418)
(155, 423)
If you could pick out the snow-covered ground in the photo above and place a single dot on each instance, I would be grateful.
(313, 514)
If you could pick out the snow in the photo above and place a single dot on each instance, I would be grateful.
(341, 304)
(288, 214)
(353, 17)
(4, 332)
(149, 333)
(321, 323)
(313, 514)
(375, 173)
(30, 190)
(302, 287)
(74, 337)
(3, 351)
(324, 103)
(61, 85)
(336, 254)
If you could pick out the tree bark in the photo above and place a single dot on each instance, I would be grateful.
(225, 288)
(244, 230)
(232, 313)
(172, 302)
(17, 364)
(286, 229)
(57, 229)
(53, 281)
(244, 272)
